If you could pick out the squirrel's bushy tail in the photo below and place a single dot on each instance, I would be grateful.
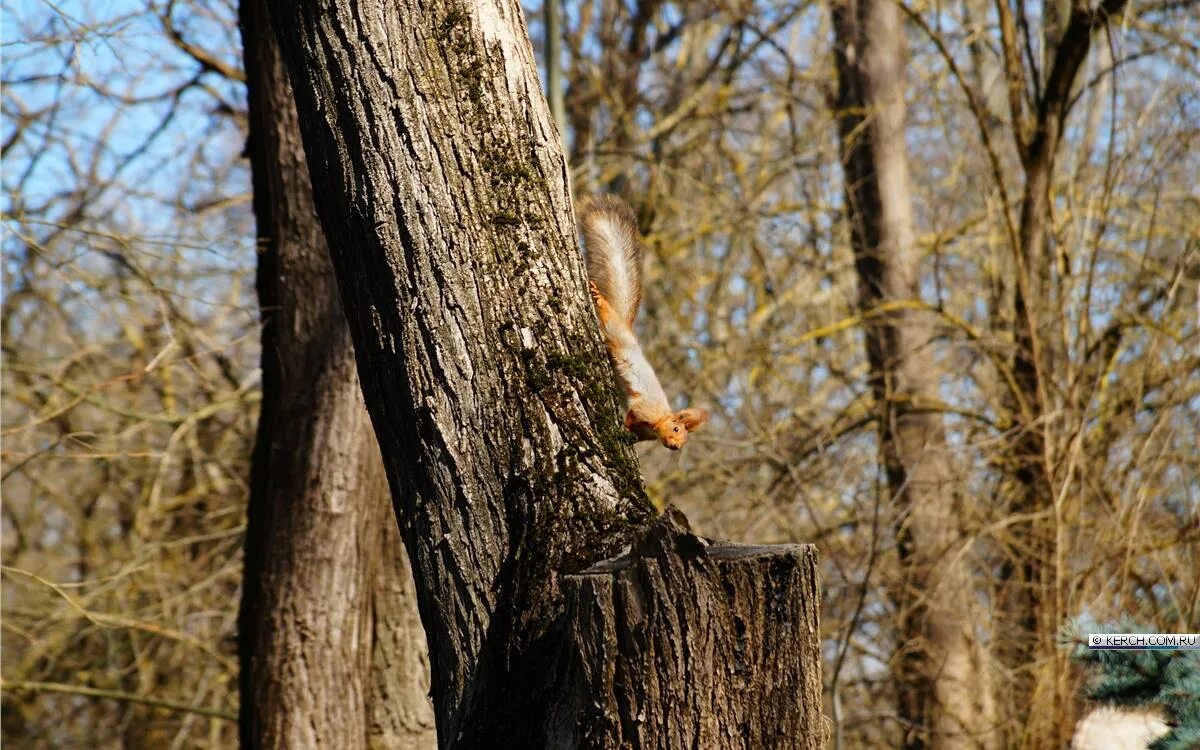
(614, 252)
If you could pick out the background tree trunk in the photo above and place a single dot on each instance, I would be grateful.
(1030, 610)
(446, 202)
(399, 713)
(327, 589)
(942, 692)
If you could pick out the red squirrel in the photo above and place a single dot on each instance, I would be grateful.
(614, 268)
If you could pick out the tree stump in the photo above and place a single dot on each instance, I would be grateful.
(687, 643)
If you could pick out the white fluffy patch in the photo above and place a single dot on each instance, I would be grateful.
(1117, 729)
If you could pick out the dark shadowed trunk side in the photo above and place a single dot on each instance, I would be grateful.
(444, 195)
(326, 588)
(941, 688)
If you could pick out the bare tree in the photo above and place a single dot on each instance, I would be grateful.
(447, 208)
(130, 334)
(128, 393)
(942, 696)
(329, 644)
(1028, 603)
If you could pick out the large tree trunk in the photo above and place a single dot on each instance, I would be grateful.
(941, 689)
(445, 200)
(326, 583)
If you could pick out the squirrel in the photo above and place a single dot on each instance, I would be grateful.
(613, 251)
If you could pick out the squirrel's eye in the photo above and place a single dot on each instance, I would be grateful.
(677, 429)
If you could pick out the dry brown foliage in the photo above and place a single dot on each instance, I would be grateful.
(130, 332)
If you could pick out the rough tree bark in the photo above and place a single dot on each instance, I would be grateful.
(638, 627)
(399, 714)
(942, 692)
(1027, 603)
(444, 196)
(327, 589)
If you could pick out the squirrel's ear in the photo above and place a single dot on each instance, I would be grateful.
(693, 419)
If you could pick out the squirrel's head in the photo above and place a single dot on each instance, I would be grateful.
(673, 431)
